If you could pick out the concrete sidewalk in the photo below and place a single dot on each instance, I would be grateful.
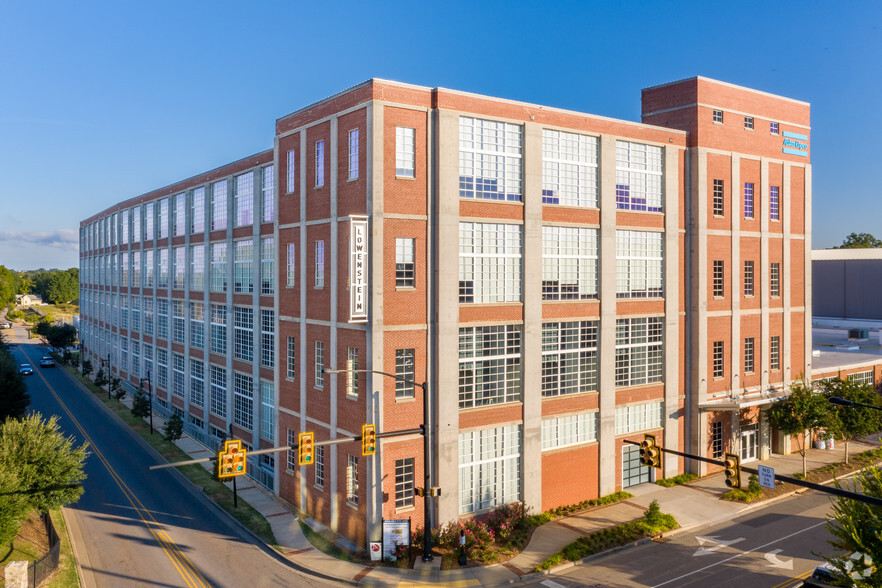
(694, 504)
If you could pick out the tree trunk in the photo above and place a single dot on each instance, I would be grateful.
(846, 450)
(802, 451)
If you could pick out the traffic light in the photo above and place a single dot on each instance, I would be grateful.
(231, 461)
(733, 470)
(306, 449)
(368, 439)
(650, 454)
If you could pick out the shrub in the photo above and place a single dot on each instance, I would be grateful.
(507, 519)
(563, 511)
(753, 491)
(681, 479)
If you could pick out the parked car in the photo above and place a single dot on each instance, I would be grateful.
(25, 369)
(6, 326)
(822, 577)
(47, 361)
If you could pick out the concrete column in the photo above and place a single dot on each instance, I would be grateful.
(673, 345)
(698, 376)
(807, 215)
(791, 372)
(736, 286)
(761, 285)
(606, 433)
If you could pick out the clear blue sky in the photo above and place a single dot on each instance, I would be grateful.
(103, 101)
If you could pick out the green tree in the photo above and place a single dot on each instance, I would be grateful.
(87, 367)
(803, 410)
(13, 504)
(859, 241)
(852, 421)
(63, 287)
(116, 388)
(9, 282)
(61, 336)
(174, 428)
(140, 404)
(14, 397)
(856, 527)
(100, 377)
(44, 464)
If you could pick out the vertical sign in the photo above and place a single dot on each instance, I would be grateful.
(358, 268)
(766, 477)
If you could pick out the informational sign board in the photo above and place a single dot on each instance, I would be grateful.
(395, 532)
(766, 477)
(376, 551)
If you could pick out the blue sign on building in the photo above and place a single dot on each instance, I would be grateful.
(795, 144)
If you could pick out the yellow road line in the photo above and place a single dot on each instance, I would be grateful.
(792, 581)
(456, 584)
(183, 565)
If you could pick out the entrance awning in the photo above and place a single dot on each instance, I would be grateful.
(741, 402)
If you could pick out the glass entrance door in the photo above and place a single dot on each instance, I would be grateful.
(633, 472)
(749, 443)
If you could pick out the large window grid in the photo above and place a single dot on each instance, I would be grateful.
(569, 169)
(569, 430)
(489, 468)
(178, 375)
(490, 160)
(219, 329)
(267, 411)
(197, 208)
(243, 199)
(639, 417)
(162, 273)
(162, 218)
(267, 265)
(197, 382)
(162, 318)
(639, 264)
(243, 333)
(179, 319)
(218, 400)
(320, 466)
(197, 325)
(148, 221)
(243, 263)
(404, 482)
(179, 267)
(267, 337)
(351, 371)
(149, 268)
(162, 368)
(197, 267)
(268, 194)
(489, 365)
(639, 346)
(243, 401)
(639, 176)
(218, 267)
(569, 358)
(862, 377)
(219, 205)
(569, 263)
(490, 262)
(148, 316)
(717, 439)
(137, 228)
(290, 265)
(180, 218)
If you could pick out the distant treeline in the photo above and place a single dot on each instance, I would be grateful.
(53, 286)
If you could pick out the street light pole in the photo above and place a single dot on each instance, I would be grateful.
(108, 375)
(428, 462)
(839, 401)
(150, 396)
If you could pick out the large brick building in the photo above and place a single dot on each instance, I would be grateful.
(610, 278)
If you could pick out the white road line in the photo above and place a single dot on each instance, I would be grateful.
(740, 554)
(552, 584)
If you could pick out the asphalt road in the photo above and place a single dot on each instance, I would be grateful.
(135, 527)
(770, 547)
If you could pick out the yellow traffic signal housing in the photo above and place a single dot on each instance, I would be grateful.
(306, 449)
(231, 461)
(733, 470)
(368, 439)
(650, 454)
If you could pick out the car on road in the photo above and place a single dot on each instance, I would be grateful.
(6, 325)
(25, 369)
(47, 361)
(822, 577)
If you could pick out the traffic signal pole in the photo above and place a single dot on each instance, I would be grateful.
(796, 482)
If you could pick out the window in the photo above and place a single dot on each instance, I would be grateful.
(718, 359)
(267, 411)
(291, 178)
(639, 177)
(404, 482)
(717, 439)
(862, 377)
(136, 313)
(569, 263)
(718, 279)
(352, 480)
(218, 267)
(489, 365)
(404, 368)
(197, 214)
(178, 375)
(351, 368)
(774, 202)
(218, 403)
(179, 267)
(137, 229)
(267, 337)
(179, 320)
(490, 160)
(219, 329)
(161, 219)
(748, 278)
(353, 154)
(773, 128)
(197, 382)
(489, 468)
(718, 116)
(569, 169)
(775, 353)
(148, 316)
(748, 199)
(319, 364)
(243, 401)
(320, 466)
(319, 264)
(748, 123)
(748, 355)
(292, 356)
(243, 264)
(718, 198)
(404, 263)
(639, 264)
(136, 269)
(268, 194)
(569, 358)
(124, 227)
(219, 206)
(243, 333)
(490, 262)
(775, 279)
(162, 273)
(639, 417)
(292, 463)
(180, 219)
(405, 153)
(565, 431)
(162, 368)
(319, 164)
(243, 200)
(639, 343)
(197, 267)
(197, 325)
(162, 318)
(289, 266)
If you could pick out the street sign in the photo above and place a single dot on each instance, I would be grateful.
(766, 476)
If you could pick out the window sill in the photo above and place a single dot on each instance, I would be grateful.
(352, 505)
(319, 487)
(353, 397)
(405, 400)
(397, 177)
(355, 179)
(405, 288)
(404, 509)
